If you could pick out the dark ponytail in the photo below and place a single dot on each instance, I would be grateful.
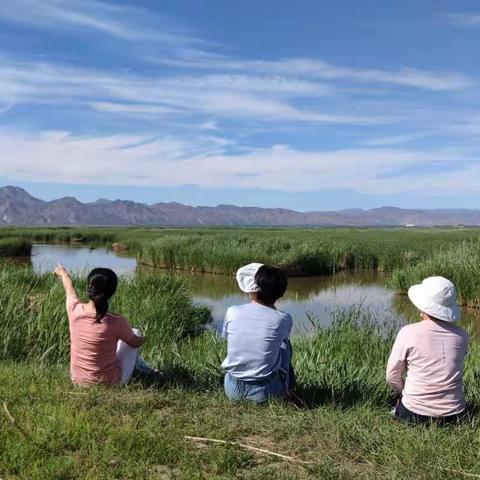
(102, 284)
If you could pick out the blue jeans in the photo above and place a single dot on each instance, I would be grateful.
(260, 391)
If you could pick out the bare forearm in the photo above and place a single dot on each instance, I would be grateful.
(62, 273)
(68, 285)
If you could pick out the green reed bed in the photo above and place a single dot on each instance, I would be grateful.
(15, 247)
(299, 251)
(460, 264)
(88, 235)
(302, 251)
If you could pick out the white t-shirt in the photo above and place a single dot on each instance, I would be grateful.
(254, 335)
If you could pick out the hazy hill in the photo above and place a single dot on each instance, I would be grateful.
(18, 207)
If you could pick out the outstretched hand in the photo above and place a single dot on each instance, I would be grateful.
(61, 272)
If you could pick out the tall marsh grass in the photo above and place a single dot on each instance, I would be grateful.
(460, 264)
(15, 247)
(301, 251)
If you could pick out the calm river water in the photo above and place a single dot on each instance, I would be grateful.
(318, 297)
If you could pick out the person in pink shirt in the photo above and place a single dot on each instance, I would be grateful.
(104, 348)
(432, 352)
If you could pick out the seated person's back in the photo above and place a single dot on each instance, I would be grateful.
(255, 334)
(258, 363)
(432, 352)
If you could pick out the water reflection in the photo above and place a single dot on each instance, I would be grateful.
(316, 296)
(78, 259)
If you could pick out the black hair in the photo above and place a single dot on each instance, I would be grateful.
(272, 283)
(102, 284)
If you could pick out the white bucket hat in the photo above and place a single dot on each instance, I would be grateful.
(437, 297)
(246, 277)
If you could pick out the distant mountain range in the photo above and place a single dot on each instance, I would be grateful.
(18, 207)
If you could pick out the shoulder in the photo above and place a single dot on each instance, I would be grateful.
(115, 320)
(73, 302)
(233, 310)
(239, 309)
(408, 330)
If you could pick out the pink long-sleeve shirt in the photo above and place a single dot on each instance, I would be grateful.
(433, 354)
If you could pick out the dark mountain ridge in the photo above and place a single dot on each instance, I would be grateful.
(18, 207)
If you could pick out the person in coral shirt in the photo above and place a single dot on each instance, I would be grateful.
(104, 347)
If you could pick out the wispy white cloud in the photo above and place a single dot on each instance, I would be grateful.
(314, 68)
(465, 20)
(132, 109)
(125, 22)
(172, 161)
(397, 139)
(202, 92)
(232, 96)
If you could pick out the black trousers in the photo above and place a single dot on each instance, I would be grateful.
(403, 414)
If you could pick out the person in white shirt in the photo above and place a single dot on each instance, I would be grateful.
(258, 363)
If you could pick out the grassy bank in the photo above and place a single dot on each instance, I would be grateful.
(138, 433)
(300, 251)
(342, 363)
(460, 264)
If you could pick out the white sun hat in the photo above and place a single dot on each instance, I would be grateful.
(246, 277)
(437, 297)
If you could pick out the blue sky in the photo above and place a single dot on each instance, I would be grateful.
(312, 105)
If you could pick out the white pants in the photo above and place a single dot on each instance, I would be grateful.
(127, 357)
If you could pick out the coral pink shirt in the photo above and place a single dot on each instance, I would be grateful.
(93, 351)
(433, 353)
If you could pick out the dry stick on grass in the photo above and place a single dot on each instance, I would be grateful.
(249, 447)
(461, 472)
(14, 423)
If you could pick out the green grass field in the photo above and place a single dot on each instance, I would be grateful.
(138, 432)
